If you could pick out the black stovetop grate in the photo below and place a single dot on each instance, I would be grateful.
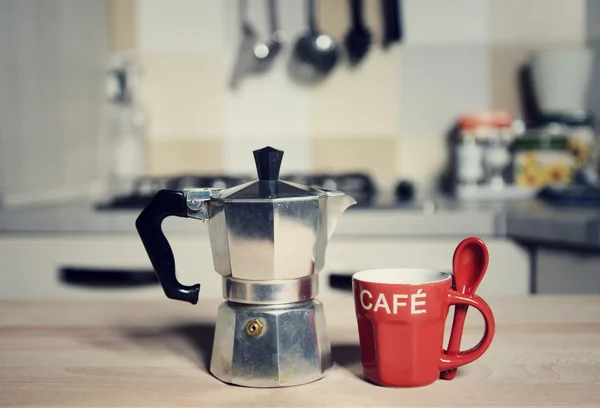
(359, 185)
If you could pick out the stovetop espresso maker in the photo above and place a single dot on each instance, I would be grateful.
(268, 239)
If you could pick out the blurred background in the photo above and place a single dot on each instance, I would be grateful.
(444, 119)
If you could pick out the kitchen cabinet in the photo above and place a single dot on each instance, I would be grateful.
(566, 271)
(507, 273)
(31, 263)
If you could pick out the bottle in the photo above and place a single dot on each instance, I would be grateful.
(497, 156)
(469, 153)
(583, 144)
(127, 132)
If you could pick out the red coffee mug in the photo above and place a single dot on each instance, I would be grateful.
(401, 314)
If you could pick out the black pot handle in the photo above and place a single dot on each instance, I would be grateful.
(164, 204)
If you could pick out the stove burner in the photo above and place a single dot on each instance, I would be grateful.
(145, 187)
(359, 185)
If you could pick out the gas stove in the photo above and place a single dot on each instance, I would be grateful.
(360, 186)
(145, 187)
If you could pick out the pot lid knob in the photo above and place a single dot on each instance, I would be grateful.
(268, 163)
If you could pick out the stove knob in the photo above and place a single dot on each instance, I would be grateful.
(405, 191)
(219, 184)
(330, 184)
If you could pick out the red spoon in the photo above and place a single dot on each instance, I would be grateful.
(469, 263)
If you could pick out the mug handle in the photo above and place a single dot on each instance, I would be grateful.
(449, 362)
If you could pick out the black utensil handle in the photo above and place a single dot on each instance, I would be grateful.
(356, 10)
(243, 13)
(392, 21)
(399, 29)
(149, 225)
(272, 4)
(312, 15)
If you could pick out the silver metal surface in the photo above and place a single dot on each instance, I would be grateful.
(292, 347)
(271, 240)
(268, 238)
(197, 201)
(331, 206)
(271, 292)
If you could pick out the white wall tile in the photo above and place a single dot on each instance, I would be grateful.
(593, 40)
(8, 86)
(594, 91)
(446, 22)
(168, 157)
(534, 21)
(593, 19)
(123, 27)
(61, 79)
(438, 83)
(76, 165)
(181, 25)
(239, 157)
(421, 160)
(183, 94)
(52, 92)
(358, 102)
(374, 155)
(268, 105)
(9, 142)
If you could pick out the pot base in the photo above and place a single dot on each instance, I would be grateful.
(271, 346)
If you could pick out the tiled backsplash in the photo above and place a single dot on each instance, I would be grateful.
(389, 116)
(593, 40)
(52, 67)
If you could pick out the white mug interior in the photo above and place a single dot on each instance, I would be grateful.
(401, 276)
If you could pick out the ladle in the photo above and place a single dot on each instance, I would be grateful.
(315, 53)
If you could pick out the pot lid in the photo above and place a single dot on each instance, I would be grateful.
(268, 186)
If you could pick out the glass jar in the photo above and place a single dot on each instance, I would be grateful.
(583, 144)
(469, 151)
(542, 159)
(496, 153)
(128, 148)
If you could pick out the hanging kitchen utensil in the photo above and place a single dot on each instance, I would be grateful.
(265, 53)
(128, 128)
(245, 56)
(470, 262)
(358, 39)
(392, 21)
(315, 52)
(277, 35)
(252, 53)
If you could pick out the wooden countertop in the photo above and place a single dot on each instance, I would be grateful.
(154, 354)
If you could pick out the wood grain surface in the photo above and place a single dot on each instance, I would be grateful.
(155, 354)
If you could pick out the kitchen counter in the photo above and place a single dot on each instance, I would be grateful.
(531, 221)
(155, 354)
(544, 224)
(419, 219)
